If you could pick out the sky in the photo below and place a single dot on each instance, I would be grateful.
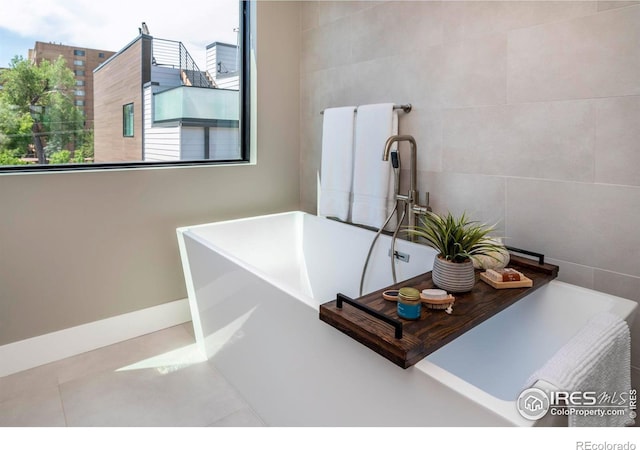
(112, 24)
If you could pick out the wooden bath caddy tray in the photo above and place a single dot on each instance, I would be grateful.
(380, 328)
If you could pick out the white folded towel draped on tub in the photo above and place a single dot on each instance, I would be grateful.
(596, 359)
(372, 177)
(336, 170)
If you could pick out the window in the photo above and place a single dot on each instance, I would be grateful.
(127, 120)
(177, 121)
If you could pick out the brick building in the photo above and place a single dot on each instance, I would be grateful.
(82, 61)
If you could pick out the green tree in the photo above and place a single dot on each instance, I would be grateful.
(60, 157)
(15, 128)
(84, 153)
(9, 158)
(40, 96)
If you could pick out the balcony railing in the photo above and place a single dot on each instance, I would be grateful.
(218, 107)
(175, 55)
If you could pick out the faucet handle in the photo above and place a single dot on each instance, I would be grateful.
(426, 201)
(420, 209)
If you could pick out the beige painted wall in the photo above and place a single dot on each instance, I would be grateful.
(524, 112)
(79, 247)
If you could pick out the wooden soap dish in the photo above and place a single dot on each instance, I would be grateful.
(524, 282)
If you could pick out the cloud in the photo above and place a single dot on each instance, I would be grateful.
(111, 24)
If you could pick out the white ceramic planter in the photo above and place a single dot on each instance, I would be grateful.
(453, 277)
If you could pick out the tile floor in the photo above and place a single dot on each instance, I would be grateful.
(156, 380)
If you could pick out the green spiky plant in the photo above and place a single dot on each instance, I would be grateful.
(456, 239)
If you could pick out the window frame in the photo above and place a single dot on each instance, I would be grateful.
(126, 116)
(245, 23)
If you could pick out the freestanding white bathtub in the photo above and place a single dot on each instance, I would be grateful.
(255, 286)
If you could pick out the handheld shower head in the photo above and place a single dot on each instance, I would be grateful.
(395, 160)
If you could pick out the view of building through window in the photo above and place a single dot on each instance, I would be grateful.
(165, 88)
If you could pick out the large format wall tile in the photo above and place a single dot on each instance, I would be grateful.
(470, 19)
(618, 140)
(472, 73)
(425, 125)
(397, 79)
(394, 28)
(589, 224)
(538, 140)
(481, 197)
(336, 9)
(553, 218)
(612, 4)
(309, 15)
(616, 215)
(587, 57)
(617, 284)
(577, 274)
(322, 89)
(326, 47)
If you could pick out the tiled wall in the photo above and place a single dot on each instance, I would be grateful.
(526, 113)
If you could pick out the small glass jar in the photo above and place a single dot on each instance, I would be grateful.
(409, 304)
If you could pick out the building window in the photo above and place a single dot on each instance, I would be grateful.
(198, 121)
(127, 120)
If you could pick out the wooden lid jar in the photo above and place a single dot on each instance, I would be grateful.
(409, 304)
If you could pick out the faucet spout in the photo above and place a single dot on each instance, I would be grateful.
(412, 165)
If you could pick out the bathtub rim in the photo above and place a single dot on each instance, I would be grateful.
(189, 231)
(624, 308)
(298, 217)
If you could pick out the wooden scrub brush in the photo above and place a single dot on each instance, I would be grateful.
(437, 299)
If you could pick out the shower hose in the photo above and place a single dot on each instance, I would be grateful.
(395, 161)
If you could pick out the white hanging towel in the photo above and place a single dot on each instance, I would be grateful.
(372, 177)
(596, 359)
(336, 170)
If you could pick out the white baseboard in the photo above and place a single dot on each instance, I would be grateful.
(39, 350)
